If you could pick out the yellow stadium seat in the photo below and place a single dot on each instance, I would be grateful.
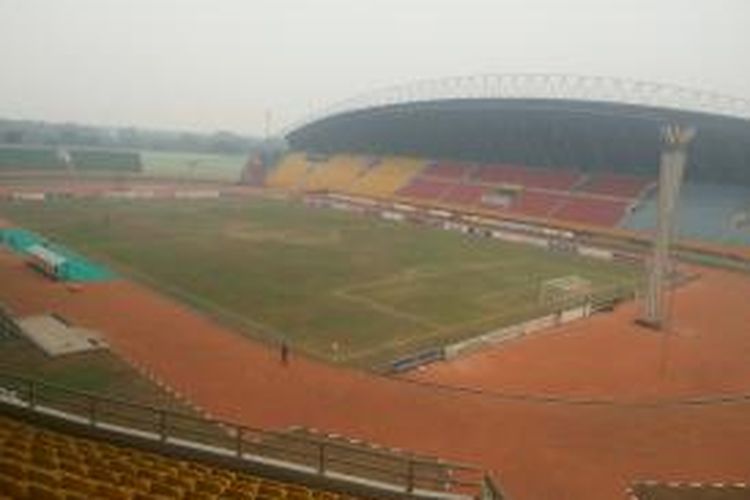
(298, 492)
(335, 174)
(101, 473)
(386, 177)
(77, 468)
(289, 173)
(41, 476)
(148, 473)
(133, 482)
(209, 486)
(180, 482)
(237, 494)
(198, 495)
(160, 488)
(15, 470)
(12, 487)
(267, 488)
(51, 466)
(76, 484)
(111, 492)
(12, 455)
(72, 495)
(45, 460)
(43, 492)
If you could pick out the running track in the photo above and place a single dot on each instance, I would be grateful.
(538, 450)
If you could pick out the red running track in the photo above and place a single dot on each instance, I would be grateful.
(538, 450)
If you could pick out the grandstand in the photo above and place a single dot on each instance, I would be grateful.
(617, 185)
(423, 188)
(336, 173)
(601, 199)
(707, 211)
(529, 177)
(386, 176)
(575, 150)
(289, 173)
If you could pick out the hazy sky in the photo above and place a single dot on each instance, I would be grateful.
(209, 64)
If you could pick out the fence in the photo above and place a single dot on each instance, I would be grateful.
(317, 455)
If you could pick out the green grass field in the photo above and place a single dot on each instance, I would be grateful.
(315, 277)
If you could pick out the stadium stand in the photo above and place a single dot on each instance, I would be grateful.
(532, 203)
(38, 463)
(464, 194)
(335, 174)
(596, 211)
(446, 170)
(530, 177)
(424, 188)
(620, 185)
(289, 173)
(705, 211)
(387, 176)
(100, 159)
(566, 194)
(20, 158)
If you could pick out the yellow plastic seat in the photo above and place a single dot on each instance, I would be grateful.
(12, 455)
(12, 487)
(13, 469)
(77, 468)
(296, 492)
(104, 475)
(76, 484)
(148, 473)
(111, 492)
(133, 482)
(160, 488)
(121, 467)
(42, 477)
(180, 482)
(267, 489)
(45, 460)
(43, 492)
(209, 486)
(72, 495)
(237, 494)
(199, 495)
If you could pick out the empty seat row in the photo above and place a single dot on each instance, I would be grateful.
(36, 463)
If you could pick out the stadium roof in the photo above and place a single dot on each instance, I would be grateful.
(591, 123)
(559, 87)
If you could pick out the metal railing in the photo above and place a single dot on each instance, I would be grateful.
(319, 455)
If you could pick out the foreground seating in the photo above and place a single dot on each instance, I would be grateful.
(36, 463)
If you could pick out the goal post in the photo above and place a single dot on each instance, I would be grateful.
(565, 291)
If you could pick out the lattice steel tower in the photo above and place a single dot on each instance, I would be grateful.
(676, 139)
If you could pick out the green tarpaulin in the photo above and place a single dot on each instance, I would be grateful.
(70, 266)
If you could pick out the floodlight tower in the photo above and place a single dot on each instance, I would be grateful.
(675, 139)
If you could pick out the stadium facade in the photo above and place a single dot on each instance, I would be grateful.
(594, 124)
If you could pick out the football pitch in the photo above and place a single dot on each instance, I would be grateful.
(337, 286)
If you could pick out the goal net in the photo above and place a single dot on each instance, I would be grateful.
(564, 291)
